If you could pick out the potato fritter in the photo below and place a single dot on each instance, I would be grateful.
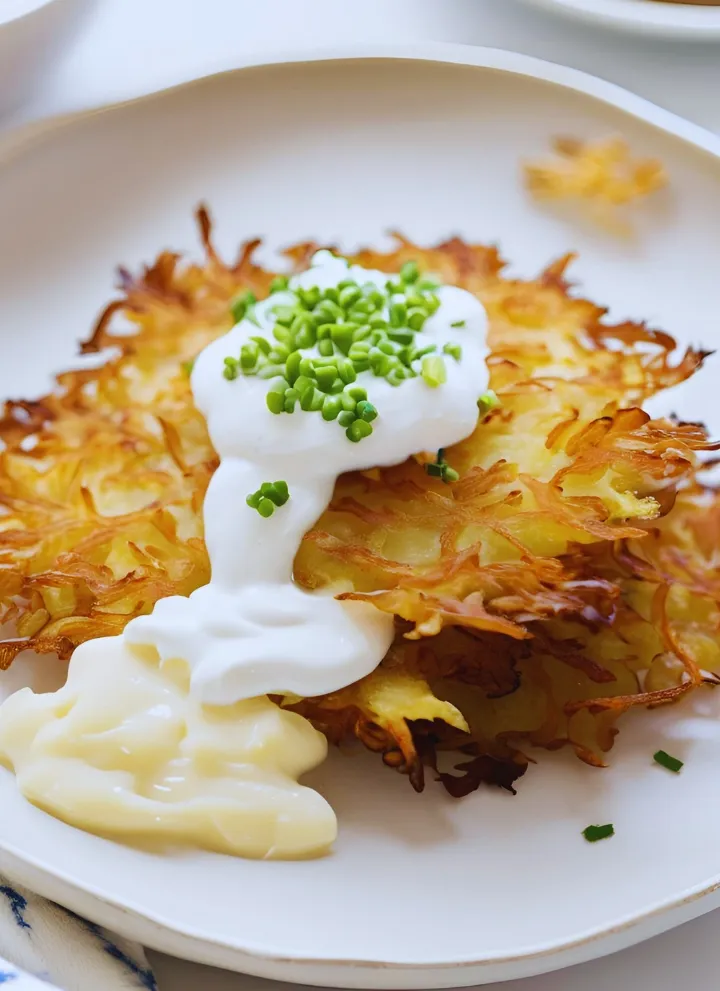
(568, 575)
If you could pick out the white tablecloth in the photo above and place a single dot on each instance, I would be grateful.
(144, 39)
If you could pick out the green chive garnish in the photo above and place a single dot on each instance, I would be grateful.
(321, 340)
(454, 350)
(441, 469)
(357, 430)
(269, 496)
(409, 272)
(366, 411)
(594, 833)
(668, 761)
(458, 323)
(279, 283)
(242, 302)
(187, 366)
(487, 401)
(434, 372)
(230, 371)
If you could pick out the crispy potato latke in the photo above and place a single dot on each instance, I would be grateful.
(571, 574)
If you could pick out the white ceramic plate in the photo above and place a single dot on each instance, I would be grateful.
(33, 36)
(670, 20)
(421, 891)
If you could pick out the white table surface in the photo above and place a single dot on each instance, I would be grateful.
(148, 39)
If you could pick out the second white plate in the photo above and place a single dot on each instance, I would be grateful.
(649, 17)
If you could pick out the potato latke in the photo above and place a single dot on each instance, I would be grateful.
(570, 574)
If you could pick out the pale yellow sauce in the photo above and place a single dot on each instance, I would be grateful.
(125, 749)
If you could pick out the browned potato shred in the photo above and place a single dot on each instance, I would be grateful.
(602, 175)
(571, 574)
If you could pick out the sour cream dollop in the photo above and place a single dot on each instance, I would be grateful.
(166, 731)
(252, 631)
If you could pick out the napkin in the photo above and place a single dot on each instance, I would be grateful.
(43, 944)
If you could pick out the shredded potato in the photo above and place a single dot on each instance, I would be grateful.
(600, 174)
(571, 573)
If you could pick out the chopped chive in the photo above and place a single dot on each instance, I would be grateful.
(306, 337)
(594, 833)
(487, 401)
(241, 303)
(326, 377)
(401, 336)
(357, 430)
(249, 354)
(332, 407)
(282, 334)
(292, 397)
(454, 350)
(187, 366)
(342, 337)
(270, 371)
(308, 297)
(263, 345)
(441, 469)
(278, 284)
(230, 371)
(433, 371)
(366, 411)
(410, 272)
(458, 323)
(292, 366)
(349, 296)
(668, 761)
(266, 508)
(433, 304)
(398, 314)
(269, 496)
(416, 318)
(346, 418)
(348, 402)
(309, 397)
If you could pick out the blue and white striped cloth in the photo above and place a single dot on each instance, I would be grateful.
(43, 945)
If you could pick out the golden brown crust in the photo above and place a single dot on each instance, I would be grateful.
(567, 577)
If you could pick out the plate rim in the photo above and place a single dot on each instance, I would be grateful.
(682, 907)
(450, 53)
(664, 22)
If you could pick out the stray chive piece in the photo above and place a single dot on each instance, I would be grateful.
(187, 366)
(668, 761)
(433, 371)
(441, 469)
(241, 304)
(278, 284)
(594, 833)
(487, 401)
(269, 496)
(458, 323)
